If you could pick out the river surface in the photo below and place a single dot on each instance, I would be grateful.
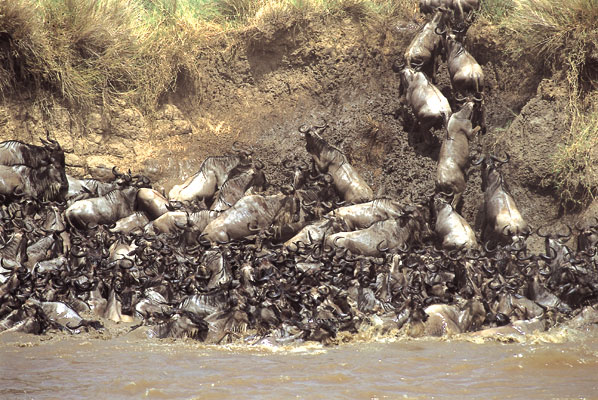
(556, 365)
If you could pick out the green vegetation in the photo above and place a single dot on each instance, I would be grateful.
(496, 11)
(563, 34)
(91, 52)
(576, 161)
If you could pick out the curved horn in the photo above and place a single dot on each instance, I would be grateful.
(508, 230)
(116, 173)
(460, 99)
(498, 160)
(258, 164)
(274, 293)
(523, 258)
(487, 249)
(417, 63)
(236, 147)
(334, 242)
(478, 161)
(398, 67)
(252, 229)
(379, 244)
(287, 164)
(547, 257)
(567, 236)
(323, 126)
(304, 129)
(402, 249)
(439, 32)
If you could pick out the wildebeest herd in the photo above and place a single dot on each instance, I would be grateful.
(225, 256)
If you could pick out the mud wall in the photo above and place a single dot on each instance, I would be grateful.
(259, 87)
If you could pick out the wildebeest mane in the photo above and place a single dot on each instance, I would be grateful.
(39, 183)
(318, 146)
(501, 183)
(230, 162)
(15, 152)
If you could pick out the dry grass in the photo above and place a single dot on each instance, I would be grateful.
(496, 11)
(575, 163)
(91, 52)
(561, 34)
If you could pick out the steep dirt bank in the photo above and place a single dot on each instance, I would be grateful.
(259, 87)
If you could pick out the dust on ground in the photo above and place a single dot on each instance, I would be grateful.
(259, 87)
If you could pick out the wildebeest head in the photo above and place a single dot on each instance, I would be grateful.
(56, 171)
(491, 176)
(471, 109)
(407, 75)
(183, 324)
(323, 154)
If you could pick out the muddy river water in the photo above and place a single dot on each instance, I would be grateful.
(558, 364)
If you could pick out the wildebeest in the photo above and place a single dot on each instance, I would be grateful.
(48, 162)
(79, 189)
(212, 174)
(132, 223)
(430, 6)
(444, 319)
(450, 227)
(250, 213)
(424, 49)
(556, 249)
(182, 324)
(193, 223)
(105, 209)
(361, 216)
(14, 152)
(467, 77)
(43, 183)
(587, 237)
(311, 234)
(236, 186)
(462, 8)
(328, 159)
(428, 104)
(454, 153)
(152, 203)
(502, 220)
(381, 236)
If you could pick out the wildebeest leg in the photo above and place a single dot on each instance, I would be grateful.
(457, 202)
(428, 138)
(434, 69)
(483, 120)
(414, 133)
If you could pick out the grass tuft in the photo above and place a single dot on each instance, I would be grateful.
(575, 163)
(89, 53)
(562, 34)
(496, 11)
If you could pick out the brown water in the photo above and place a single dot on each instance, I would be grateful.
(555, 365)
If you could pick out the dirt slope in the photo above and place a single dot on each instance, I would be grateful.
(259, 87)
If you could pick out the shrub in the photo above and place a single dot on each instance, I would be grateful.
(563, 34)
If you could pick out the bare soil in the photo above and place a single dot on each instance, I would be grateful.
(260, 86)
